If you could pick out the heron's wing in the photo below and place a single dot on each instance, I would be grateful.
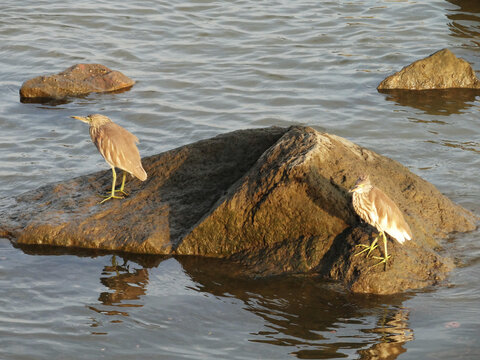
(390, 217)
(118, 146)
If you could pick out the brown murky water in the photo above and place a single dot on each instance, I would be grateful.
(207, 67)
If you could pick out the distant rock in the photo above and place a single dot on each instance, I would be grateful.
(441, 70)
(80, 79)
(274, 200)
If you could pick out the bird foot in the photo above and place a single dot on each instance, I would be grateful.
(383, 260)
(109, 197)
(123, 192)
(368, 248)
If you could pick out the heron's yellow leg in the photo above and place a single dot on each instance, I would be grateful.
(368, 248)
(114, 183)
(123, 184)
(384, 259)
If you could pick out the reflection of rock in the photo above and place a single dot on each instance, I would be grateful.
(80, 79)
(305, 312)
(147, 261)
(441, 70)
(434, 102)
(465, 146)
(464, 20)
(274, 200)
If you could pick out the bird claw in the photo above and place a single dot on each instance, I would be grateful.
(368, 248)
(123, 192)
(109, 197)
(383, 260)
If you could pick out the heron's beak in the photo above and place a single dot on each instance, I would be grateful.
(81, 118)
(355, 187)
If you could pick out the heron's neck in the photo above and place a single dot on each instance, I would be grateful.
(367, 188)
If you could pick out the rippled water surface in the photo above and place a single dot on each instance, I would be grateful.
(208, 67)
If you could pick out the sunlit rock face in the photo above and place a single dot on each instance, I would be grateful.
(441, 70)
(77, 80)
(274, 200)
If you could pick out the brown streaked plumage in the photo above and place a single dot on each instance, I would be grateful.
(117, 146)
(378, 210)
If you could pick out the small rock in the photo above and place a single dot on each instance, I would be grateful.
(78, 80)
(441, 70)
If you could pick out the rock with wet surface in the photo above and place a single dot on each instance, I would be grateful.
(441, 70)
(274, 200)
(77, 80)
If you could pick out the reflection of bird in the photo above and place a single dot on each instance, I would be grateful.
(378, 210)
(117, 146)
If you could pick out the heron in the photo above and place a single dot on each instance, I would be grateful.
(118, 147)
(377, 209)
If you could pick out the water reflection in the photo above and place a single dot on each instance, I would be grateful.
(125, 279)
(434, 102)
(313, 316)
(465, 19)
(394, 333)
(317, 319)
(125, 284)
(46, 101)
(463, 145)
(50, 101)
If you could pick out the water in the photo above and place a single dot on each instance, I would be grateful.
(208, 67)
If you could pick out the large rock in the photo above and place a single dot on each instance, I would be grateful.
(274, 200)
(182, 186)
(80, 79)
(441, 70)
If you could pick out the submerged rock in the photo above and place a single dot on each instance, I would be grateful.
(441, 70)
(80, 79)
(274, 200)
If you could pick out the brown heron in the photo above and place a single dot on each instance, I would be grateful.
(118, 148)
(378, 210)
